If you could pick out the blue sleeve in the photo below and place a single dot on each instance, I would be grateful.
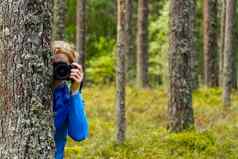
(60, 108)
(78, 124)
(61, 97)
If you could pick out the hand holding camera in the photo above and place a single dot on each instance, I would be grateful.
(76, 75)
(65, 67)
(64, 71)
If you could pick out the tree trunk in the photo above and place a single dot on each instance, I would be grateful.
(222, 37)
(26, 125)
(129, 44)
(59, 19)
(180, 48)
(142, 44)
(229, 51)
(194, 58)
(81, 31)
(210, 43)
(122, 36)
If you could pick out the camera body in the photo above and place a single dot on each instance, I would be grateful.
(62, 70)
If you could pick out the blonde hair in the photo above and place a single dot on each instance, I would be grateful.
(62, 47)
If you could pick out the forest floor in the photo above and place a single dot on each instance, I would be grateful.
(216, 135)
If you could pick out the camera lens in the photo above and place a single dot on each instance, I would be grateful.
(61, 71)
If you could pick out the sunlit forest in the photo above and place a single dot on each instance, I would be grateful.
(160, 77)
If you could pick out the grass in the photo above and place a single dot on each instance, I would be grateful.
(215, 137)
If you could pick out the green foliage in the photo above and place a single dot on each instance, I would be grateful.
(158, 59)
(101, 68)
(191, 143)
(147, 137)
(101, 22)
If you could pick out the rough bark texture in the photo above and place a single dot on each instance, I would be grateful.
(222, 39)
(81, 31)
(180, 49)
(142, 43)
(129, 44)
(229, 51)
(122, 36)
(194, 58)
(59, 19)
(26, 125)
(210, 44)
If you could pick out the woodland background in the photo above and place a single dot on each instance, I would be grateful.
(160, 77)
(147, 136)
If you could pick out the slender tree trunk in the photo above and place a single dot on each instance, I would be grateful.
(180, 49)
(222, 39)
(210, 43)
(59, 19)
(142, 43)
(129, 44)
(229, 51)
(81, 31)
(194, 58)
(122, 36)
(26, 125)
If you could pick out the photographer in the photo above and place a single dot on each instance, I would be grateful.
(68, 105)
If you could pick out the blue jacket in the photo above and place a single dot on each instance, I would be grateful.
(69, 118)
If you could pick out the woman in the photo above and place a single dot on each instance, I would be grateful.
(68, 105)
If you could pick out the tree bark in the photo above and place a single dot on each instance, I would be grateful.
(122, 36)
(194, 58)
(180, 109)
(142, 43)
(81, 31)
(26, 125)
(129, 44)
(229, 51)
(59, 19)
(222, 37)
(210, 44)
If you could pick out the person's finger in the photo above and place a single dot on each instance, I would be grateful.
(78, 66)
(76, 71)
(77, 76)
(74, 78)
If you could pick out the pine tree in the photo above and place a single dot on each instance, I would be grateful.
(122, 36)
(229, 51)
(81, 31)
(59, 19)
(26, 129)
(180, 49)
(142, 43)
(211, 65)
(222, 39)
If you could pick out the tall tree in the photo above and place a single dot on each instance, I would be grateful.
(81, 30)
(211, 66)
(222, 39)
(59, 19)
(194, 54)
(180, 48)
(142, 43)
(129, 46)
(122, 39)
(26, 125)
(229, 51)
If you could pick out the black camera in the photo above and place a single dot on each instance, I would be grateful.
(62, 70)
